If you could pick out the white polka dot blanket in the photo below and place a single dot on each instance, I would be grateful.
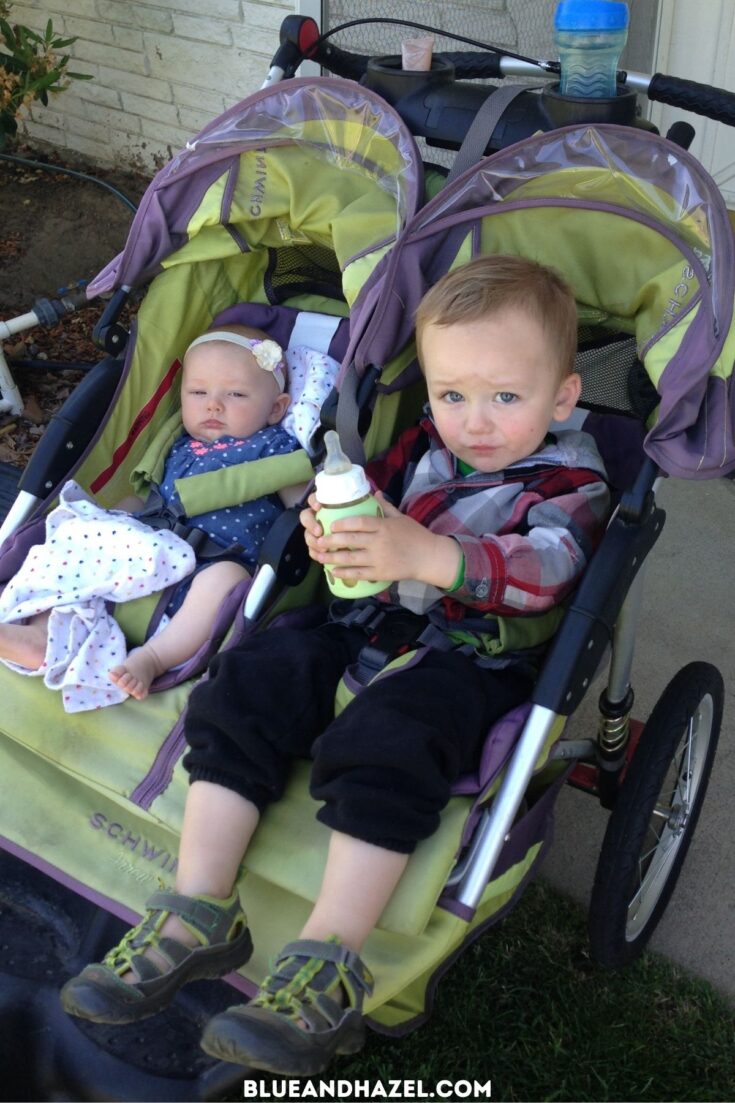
(91, 556)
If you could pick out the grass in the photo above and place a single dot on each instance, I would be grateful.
(527, 1008)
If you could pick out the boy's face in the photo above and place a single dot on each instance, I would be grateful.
(494, 388)
(225, 394)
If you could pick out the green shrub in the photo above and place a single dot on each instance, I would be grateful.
(31, 67)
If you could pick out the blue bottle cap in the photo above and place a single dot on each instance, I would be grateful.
(591, 15)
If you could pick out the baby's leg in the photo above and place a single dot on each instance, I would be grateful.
(310, 1007)
(218, 825)
(25, 644)
(359, 879)
(182, 637)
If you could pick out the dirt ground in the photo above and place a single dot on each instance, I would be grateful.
(55, 230)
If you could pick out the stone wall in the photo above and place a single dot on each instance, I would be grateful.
(161, 70)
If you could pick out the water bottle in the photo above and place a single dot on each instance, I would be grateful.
(343, 490)
(590, 36)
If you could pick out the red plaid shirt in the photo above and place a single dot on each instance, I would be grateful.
(523, 550)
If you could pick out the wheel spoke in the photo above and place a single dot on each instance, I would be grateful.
(650, 885)
(688, 768)
(667, 825)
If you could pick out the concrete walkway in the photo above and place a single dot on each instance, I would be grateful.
(688, 614)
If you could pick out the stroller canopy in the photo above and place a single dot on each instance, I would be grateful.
(323, 165)
(642, 234)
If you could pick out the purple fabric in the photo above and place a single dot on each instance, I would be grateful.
(694, 434)
(198, 661)
(15, 549)
(278, 321)
(447, 903)
(271, 115)
(498, 745)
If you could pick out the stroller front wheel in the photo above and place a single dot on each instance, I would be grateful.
(655, 815)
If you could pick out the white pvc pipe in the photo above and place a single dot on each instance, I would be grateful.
(12, 402)
(17, 325)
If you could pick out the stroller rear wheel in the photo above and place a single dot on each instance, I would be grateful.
(655, 815)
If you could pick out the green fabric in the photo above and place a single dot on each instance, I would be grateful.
(299, 868)
(68, 803)
(341, 203)
(150, 467)
(459, 577)
(243, 482)
(625, 275)
(134, 617)
(226, 487)
(513, 633)
(405, 970)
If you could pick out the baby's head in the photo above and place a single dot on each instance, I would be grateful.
(496, 340)
(233, 383)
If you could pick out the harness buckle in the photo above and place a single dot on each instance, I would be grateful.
(395, 633)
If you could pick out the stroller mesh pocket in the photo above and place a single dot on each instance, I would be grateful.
(605, 365)
(302, 270)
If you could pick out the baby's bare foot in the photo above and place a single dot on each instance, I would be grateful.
(135, 675)
(24, 644)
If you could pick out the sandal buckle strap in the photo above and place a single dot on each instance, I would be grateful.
(213, 920)
(333, 952)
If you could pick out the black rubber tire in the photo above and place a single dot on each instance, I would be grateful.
(687, 715)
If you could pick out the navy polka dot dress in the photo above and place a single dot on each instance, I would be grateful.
(248, 523)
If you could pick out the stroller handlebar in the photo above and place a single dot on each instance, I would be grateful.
(702, 99)
(300, 39)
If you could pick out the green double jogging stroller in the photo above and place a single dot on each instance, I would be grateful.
(308, 199)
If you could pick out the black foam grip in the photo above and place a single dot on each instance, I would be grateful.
(469, 65)
(340, 62)
(702, 99)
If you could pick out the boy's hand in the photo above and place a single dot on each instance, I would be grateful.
(389, 548)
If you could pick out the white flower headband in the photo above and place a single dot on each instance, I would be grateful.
(268, 354)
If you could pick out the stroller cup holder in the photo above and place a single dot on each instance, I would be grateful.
(439, 108)
(573, 110)
(386, 76)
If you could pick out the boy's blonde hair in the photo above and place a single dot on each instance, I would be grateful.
(487, 285)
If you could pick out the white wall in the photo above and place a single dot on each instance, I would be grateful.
(697, 42)
(162, 69)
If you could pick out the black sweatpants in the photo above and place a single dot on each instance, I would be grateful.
(384, 767)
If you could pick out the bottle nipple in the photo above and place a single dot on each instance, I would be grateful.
(340, 481)
(335, 462)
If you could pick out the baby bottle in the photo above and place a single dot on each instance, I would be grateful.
(590, 36)
(343, 490)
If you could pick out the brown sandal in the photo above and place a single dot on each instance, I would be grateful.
(295, 1026)
(220, 927)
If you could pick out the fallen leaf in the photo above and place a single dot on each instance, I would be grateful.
(32, 410)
